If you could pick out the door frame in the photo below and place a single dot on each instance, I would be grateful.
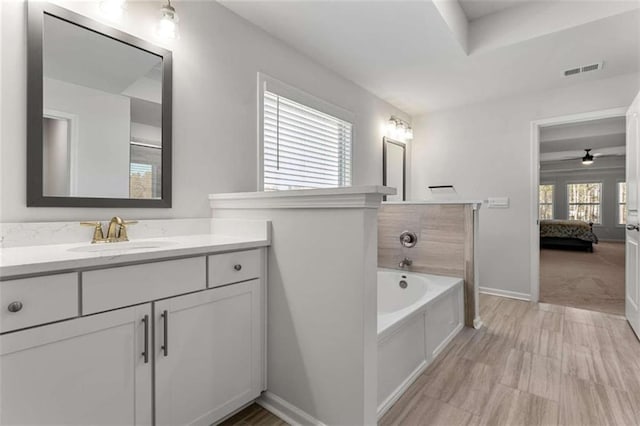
(534, 229)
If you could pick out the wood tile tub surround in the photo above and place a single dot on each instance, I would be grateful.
(445, 242)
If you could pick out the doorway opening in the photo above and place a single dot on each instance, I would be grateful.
(580, 195)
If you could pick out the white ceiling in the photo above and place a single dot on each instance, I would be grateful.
(475, 9)
(406, 53)
(605, 137)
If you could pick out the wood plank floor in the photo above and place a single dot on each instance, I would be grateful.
(532, 364)
(254, 415)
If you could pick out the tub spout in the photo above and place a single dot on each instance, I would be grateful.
(405, 262)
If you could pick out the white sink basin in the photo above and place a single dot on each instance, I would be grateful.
(123, 246)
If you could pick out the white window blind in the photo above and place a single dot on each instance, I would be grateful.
(303, 147)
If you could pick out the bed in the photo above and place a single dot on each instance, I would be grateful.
(567, 234)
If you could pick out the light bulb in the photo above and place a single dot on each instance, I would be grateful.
(168, 25)
(112, 9)
(409, 134)
(400, 131)
(391, 127)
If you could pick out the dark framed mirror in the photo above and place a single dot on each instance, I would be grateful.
(98, 114)
(394, 168)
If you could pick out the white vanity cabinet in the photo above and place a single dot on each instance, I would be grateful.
(207, 354)
(198, 351)
(89, 370)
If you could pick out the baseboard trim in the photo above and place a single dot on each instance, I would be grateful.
(505, 293)
(477, 323)
(286, 411)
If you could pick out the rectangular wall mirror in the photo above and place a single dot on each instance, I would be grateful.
(394, 168)
(98, 114)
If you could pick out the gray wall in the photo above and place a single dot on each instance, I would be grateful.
(609, 229)
(216, 61)
(485, 151)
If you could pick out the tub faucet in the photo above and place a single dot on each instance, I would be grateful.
(405, 262)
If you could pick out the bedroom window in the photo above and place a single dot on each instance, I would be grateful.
(303, 147)
(585, 201)
(622, 203)
(545, 202)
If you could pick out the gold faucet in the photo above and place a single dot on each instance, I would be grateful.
(116, 232)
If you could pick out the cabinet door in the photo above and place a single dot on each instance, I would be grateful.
(89, 370)
(208, 351)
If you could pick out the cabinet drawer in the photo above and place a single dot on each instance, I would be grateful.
(112, 288)
(232, 267)
(38, 300)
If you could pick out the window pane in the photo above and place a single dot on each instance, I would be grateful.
(584, 192)
(303, 147)
(141, 181)
(585, 212)
(622, 203)
(546, 211)
(584, 201)
(545, 201)
(622, 214)
(622, 192)
(546, 194)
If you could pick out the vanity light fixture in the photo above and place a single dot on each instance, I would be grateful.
(399, 129)
(588, 158)
(168, 25)
(112, 9)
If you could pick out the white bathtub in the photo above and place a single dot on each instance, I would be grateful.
(415, 322)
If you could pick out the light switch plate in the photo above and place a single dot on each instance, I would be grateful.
(498, 203)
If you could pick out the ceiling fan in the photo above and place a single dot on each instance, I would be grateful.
(586, 156)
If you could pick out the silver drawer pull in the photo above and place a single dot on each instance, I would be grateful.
(165, 346)
(14, 306)
(237, 267)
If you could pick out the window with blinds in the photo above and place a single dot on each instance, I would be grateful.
(303, 147)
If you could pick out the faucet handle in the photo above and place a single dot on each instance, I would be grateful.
(122, 236)
(96, 223)
(97, 231)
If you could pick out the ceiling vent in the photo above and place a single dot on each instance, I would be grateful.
(583, 68)
(572, 71)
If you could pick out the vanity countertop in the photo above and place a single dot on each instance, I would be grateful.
(29, 260)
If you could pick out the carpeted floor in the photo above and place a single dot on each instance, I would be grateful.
(593, 281)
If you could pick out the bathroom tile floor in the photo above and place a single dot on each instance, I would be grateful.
(532, 364)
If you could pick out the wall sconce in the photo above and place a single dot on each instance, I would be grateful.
(168, 25)
(112, 9)
(399, 129)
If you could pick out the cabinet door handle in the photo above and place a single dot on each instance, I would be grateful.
(237, 267)
(165, 344)
(145, 353)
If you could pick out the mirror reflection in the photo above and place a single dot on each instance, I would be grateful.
(102, 115)
(394, 168)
